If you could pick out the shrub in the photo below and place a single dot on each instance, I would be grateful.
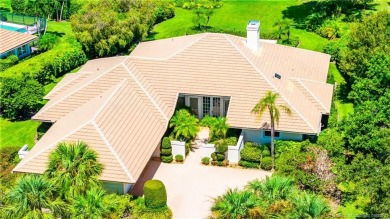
(20, 97)
(164, 11)
(166, 143)
(206, 160)
(140, 211)
(221, 146)
(214, 156)
(166, 152)
(62, 58)
(248, 164)
(220, 157)
(231, 141)
(252, 154)
(179, 158)
(8, 62)
(155, 194)
(167, 159)
(266, 153)
(47, 42)
(333, 48)
(266, 163)
(249, 144)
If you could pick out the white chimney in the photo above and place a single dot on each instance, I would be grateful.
(252, 34)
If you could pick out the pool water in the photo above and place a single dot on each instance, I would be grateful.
(16, 29)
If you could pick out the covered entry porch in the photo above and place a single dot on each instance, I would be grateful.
(202, 105)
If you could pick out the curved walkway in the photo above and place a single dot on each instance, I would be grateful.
(191, 185)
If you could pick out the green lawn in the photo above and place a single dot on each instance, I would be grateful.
(5, 4)
(336, 73)
(234, 15)
(17, 134)
(61, 27)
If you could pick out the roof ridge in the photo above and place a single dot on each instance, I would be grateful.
(146, 93)
(119, 85)
(108, 144)
(175, 53)
(24, 161)
(71, 93)
(272, 85)
(311, 93)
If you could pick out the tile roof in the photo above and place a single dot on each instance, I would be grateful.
(10, 40)
(121, 105)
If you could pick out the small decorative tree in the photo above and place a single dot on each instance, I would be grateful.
(184, 125)
(166, 150)
(155, 194)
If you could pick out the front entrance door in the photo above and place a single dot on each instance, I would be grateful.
(216, 111)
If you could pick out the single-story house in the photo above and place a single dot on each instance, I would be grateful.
(121, 106)
(15, 43)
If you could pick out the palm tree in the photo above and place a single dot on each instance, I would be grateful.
(273, 188)
(218, 126)
(34, 197)
(74, 167)
(268, 102)
(185, 125)
(236, 204)
(310, 206)
(96, 204)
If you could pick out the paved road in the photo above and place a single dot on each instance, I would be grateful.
(191, 186)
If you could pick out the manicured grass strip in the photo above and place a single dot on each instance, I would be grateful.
(336, 74)
(17, 134)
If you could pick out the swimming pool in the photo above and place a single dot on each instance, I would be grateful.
(16, 29)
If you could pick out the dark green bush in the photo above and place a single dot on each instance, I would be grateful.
(166, 152)
(64, 57)
(164, 11)
(155, 194)
(47, 42)
(221, 146)
(206, 160)
(167, 159)
(179, 158)
(252, 154)
(266, 153)
(248, 164)
(166, 143)
(266, 163)
(214, 156)
(20, 97)
(220, 157)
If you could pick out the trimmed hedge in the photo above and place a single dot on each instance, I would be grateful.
(206, 160)
(8, 62)
(247, 164)
(140, 211)
(63, 58)
(155, 194)
(220, 157)
(266, 163)
(221, 146)
(166, 143)
(251, 154)
(167, 159)
(214, 156)
(166, 152)
(179, 158)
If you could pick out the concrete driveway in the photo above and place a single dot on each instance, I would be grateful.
(191, 186)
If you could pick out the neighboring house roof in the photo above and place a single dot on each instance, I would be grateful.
(121, 106)
(10, 40)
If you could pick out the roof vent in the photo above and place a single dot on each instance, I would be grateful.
(278, 76)
(252, 34)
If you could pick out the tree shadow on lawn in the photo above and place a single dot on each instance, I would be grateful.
(59, 34)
